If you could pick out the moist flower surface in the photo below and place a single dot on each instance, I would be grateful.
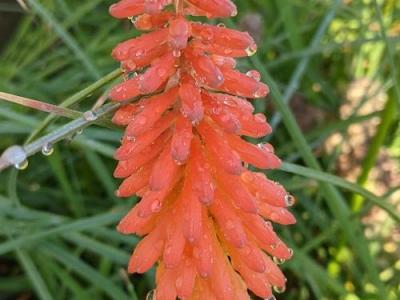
(205, 217)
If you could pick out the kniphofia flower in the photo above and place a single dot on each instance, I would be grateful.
(205, 217)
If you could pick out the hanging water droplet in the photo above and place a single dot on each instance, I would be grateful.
(234, 12)
(22, 165)
(291, 252)
(278, 261)
(221, 25)
(250, 51)
(261, 92)
(272, 297)
(90, 115)
(254, 74)
(289, 200)
(80, 131)
(133, 20)
(279, 289)
(47, 149)
(151, 295)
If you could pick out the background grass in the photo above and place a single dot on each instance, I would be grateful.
(57, 218)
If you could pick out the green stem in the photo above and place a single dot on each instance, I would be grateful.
(75, 99)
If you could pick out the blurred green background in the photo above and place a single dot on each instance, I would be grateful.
(333, 68)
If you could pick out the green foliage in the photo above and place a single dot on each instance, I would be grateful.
(57, 218)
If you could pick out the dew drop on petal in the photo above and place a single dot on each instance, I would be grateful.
(221, 25)
(151, 295)
(139, 53)
(254, 74)
(176, 53)
(279, 289)
(47, 149)
(179, 282)
(291, 252)
(156, 206)
(230, 225)
(250, 51)
(161, 72)
(268, 224)
(278, 261)
(290, 200)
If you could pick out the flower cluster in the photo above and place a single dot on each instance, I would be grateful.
(205, 218)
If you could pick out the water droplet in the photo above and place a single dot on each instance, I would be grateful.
(80, 131)
(139, 53)
(133, 20)
(254, 74)
(131, 138)
(261, 92)
(228, 51)
(289, 200)
(161, 72)
(176, 53)
(151, 295)
(179, 282)
(279, 289)
(291, 252)
(268, 224)
(250, 51)
(278, 261)
(234, 12)
(230, 225)
(221, 25)
(272, 297)
(47, 149)
(156, 206)
(90, 115)
(22, 165)
(141, 120)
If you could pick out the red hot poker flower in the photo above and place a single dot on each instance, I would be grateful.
(205, 218)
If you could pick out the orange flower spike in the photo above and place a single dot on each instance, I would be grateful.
(205, 217)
